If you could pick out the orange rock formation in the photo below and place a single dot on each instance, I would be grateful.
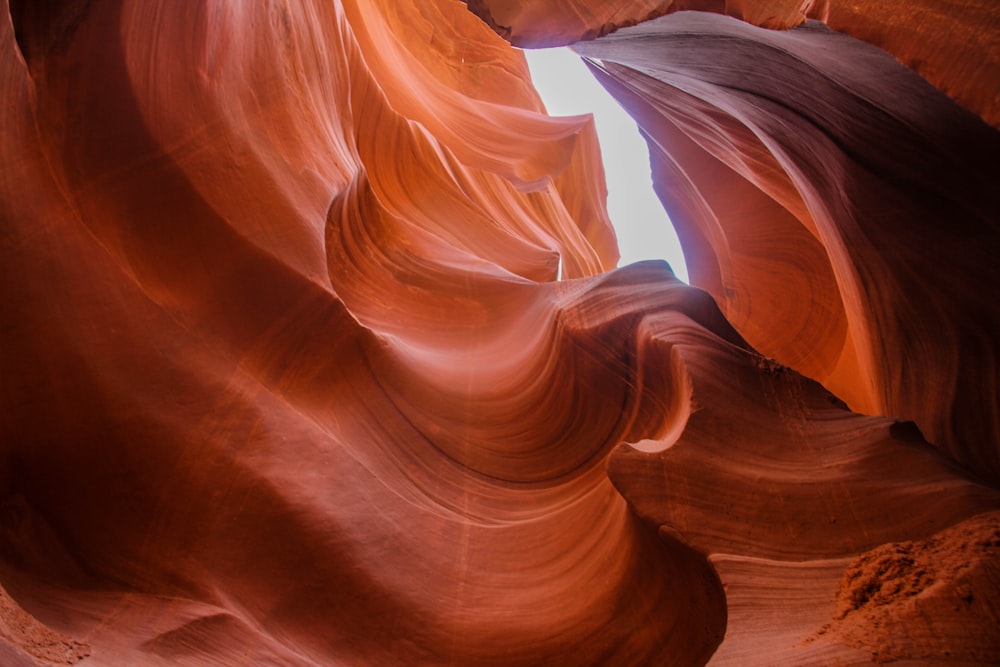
(953, 43)
(313, 351)
(821, 244)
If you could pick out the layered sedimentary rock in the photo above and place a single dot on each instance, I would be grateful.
(953, 43)
(544, 23)
(829, 212)
(313, 353)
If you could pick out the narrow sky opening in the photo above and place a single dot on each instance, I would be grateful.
(569, 89)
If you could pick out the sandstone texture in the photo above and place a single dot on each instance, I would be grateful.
(827, 211)
(314, 351)
(955, 44)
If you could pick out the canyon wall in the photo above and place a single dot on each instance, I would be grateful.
(841, 210)
(314, 351)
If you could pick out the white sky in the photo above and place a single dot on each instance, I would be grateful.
(568, 89)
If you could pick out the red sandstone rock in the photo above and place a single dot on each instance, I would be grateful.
(289, 377)
(955, 44)
(543, 23)
(822, 245)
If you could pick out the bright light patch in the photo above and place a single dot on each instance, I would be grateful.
(568, 89)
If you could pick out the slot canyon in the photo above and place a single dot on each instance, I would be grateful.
(315, 350)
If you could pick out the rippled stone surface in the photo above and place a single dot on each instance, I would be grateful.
(952, 43)
(313, 352)
(840, 209)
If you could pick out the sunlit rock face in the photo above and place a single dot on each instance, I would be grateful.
(313, 352)
(831, 200)
(952, 43)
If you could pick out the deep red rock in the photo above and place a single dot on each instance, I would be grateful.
(290, 377)
(831, 200)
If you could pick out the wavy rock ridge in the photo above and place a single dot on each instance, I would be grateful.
(860, 241)
(313, 351)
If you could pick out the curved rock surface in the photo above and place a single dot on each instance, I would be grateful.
(847, 226)
(955, 44)
(313, 354)
(546, 23)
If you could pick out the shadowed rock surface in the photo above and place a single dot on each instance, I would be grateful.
(829, 212)
(313, 352)
(954, 44)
